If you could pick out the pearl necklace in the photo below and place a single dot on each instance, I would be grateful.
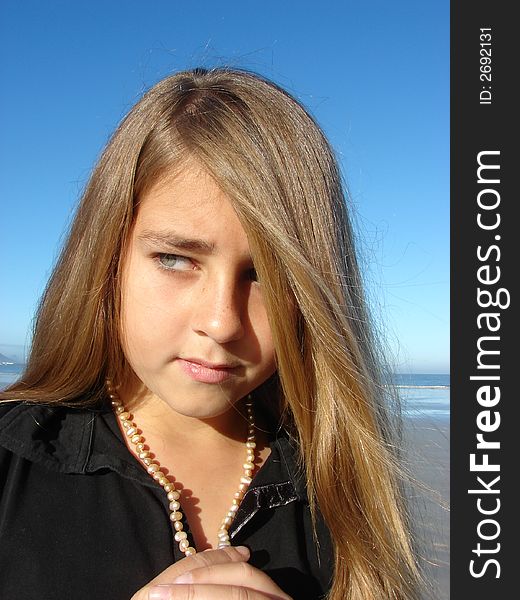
(153, 467)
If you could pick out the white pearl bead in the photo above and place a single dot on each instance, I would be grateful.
(154, 469)
(184, 545)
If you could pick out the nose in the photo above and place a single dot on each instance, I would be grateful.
(218, 311)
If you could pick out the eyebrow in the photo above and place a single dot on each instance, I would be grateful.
(172, 240)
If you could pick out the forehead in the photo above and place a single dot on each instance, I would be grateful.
(182, 191)
(191, 205)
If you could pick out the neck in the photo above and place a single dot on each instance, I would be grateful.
(157, 418)
(159, 415)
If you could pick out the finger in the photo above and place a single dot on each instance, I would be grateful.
(240, 574)
(201, 559)
(207, 592)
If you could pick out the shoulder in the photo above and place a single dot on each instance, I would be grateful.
(275, 520)
(53, 435)
(313, 530)
(6, 406)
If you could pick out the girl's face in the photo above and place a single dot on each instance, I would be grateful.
(195, 329)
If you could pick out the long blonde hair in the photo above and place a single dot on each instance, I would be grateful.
(272, 160)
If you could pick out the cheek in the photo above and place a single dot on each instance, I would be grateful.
(262, 332)
(134, 335)
(140, 307)
(148, 317)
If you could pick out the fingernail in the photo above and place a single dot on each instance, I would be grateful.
(159, 592)
(184, 578)
(243, 550)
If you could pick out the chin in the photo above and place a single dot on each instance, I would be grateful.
(200, 406)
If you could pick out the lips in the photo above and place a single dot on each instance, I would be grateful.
(209, 365)
(206, 372)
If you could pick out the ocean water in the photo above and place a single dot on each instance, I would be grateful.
(9, 373)
(422, 395)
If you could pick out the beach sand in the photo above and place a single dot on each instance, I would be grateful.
(428, 451)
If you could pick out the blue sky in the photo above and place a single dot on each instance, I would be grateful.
(375, 74)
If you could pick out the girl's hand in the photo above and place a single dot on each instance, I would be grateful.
(212, 575)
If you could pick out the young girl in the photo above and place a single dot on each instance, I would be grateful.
(202, 414)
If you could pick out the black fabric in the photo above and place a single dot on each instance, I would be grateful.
(80, 518)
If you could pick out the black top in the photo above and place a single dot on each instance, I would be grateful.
(80, 517)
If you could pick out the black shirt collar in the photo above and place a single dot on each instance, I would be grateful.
(81, 440)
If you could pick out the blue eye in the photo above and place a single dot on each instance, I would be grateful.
(174, 262)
